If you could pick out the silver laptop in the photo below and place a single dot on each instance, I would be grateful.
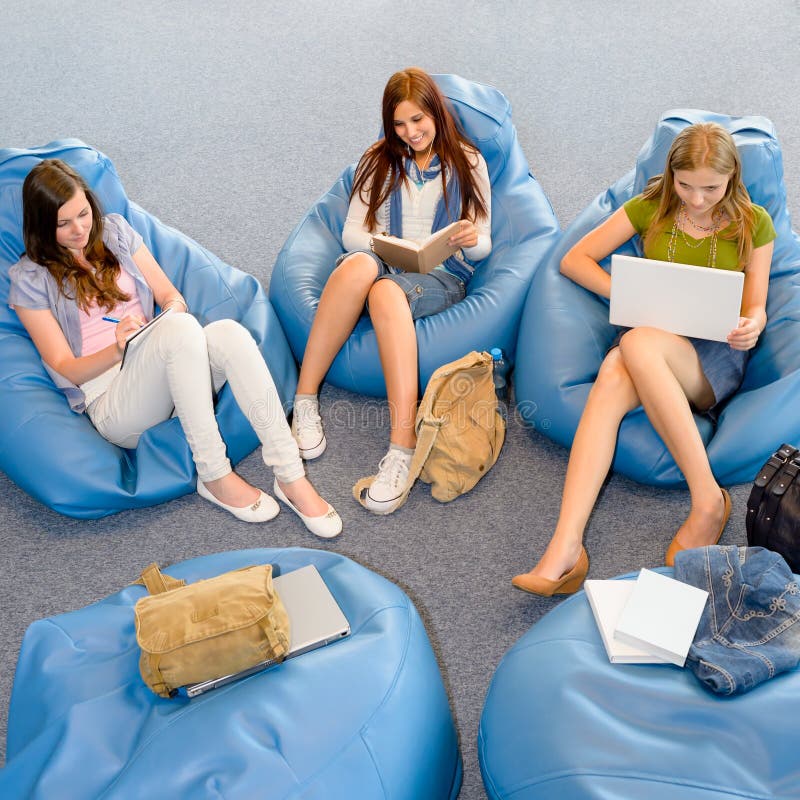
(690, 301)
(315, 620)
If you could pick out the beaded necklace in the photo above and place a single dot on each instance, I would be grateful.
(679, 224)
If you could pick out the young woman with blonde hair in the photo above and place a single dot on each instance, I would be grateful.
(697, 212)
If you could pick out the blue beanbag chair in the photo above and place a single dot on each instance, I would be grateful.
(523, 229)
(564, 333)
(57, 455)
(561, 721)
(365, 717)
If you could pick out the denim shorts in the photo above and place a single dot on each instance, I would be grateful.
(722, 365)
(426, 294)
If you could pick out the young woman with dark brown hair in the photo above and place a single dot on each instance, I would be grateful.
(85, 285)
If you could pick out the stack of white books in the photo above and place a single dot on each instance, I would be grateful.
(651, 620)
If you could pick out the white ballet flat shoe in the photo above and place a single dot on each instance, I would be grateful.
(326, 526)
(264, 509)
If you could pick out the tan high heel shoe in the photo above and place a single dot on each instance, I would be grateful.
(675, 546)
(568, 583)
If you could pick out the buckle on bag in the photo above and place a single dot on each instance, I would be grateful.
(777, 460)
(786, 478)
(768, 471)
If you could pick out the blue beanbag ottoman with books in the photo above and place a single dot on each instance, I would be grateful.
(56, 455)
(365, 717)
(561, 721)
(523, 230)
(565, 333)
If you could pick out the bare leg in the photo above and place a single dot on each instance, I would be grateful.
(233, 490)
(612, 396)
(303, 495)
(669, 379)
(340, 306)
(397, 346)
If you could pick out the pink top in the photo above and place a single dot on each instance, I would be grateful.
(96, 333)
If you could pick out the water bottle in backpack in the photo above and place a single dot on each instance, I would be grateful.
(501, 369)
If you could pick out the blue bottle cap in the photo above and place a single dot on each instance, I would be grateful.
(496, 353)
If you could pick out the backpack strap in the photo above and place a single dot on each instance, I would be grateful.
(761, 485)
(156, 581)
(426, 438)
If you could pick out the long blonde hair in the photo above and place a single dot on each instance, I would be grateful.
(705, 144)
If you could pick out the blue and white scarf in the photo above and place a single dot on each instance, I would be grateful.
(457, 264)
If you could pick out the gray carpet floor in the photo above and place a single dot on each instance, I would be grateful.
(228, 120)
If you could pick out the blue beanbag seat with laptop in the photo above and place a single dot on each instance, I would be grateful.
(56, 455)
(364, 717)
(561, 721)
(565, 333)
(523, 230)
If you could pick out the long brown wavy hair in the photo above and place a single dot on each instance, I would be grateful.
(709, 145)
(381, 168)
(49, 185)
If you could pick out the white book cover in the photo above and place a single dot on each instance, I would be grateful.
(607, 599)
(661, 616)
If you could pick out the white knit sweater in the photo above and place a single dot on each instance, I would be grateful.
(419, 210)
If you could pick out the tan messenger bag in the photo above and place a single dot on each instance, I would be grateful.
(460, 430)
(197, 632)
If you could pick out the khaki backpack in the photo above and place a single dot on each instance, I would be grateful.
(459, 430)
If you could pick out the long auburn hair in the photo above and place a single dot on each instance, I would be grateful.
(705, 144)
(49, 185)
(382, 169)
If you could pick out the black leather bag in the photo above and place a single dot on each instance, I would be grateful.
(773, 509)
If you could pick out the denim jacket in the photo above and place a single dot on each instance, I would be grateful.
(750, 628)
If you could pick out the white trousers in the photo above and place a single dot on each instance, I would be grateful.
(180, 365)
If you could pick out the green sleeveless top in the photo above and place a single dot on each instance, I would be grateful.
(641, 212)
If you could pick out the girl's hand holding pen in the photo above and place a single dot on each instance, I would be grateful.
(126, 327)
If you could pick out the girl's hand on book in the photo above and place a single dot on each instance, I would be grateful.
(126, 327)
(467, 235)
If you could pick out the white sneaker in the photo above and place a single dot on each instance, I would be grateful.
(307, 428)
(383, 496)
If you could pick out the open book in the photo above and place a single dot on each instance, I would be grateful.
(413, 257)
(137, 338)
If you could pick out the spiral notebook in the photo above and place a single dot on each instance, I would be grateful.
(134, 340)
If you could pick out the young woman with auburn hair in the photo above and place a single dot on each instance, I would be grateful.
(421, 176)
